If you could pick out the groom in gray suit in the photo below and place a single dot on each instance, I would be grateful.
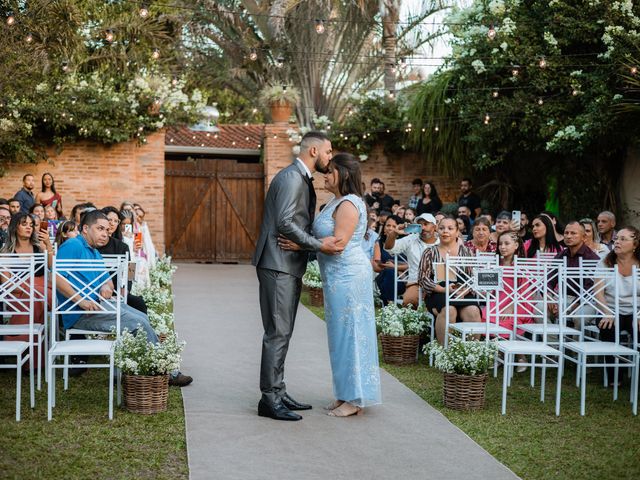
(288, 212)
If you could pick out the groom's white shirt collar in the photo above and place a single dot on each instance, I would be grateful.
(306, 169)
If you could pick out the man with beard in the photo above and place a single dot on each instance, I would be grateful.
(289, 210)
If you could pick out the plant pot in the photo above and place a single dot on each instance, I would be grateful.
(145, 394)
(162, 337)
(464, 392)
(281, 112)
(316, 297)
(400, 350)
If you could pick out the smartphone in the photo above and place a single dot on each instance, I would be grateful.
(128, 228)
(413, 228)
(516, 217)
(44, 226)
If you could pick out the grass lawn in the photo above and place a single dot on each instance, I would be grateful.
(530, 439)
(80, 442)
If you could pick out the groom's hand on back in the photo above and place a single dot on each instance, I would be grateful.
(330, 246)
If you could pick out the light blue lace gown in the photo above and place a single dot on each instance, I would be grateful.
(347, 280)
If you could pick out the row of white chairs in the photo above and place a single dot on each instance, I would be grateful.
(18, 296)
(578, 297)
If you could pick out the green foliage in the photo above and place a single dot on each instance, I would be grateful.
(366, 123)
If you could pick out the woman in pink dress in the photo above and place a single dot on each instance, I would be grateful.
(49, 195)
(544, 237)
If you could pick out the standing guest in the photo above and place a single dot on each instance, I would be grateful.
(558, 228)
(544, 238)
(436, 291)
(25, 194)
(66, 230)
(626, 255)
(488, 216)
(48, 195)
(607, 228)
(524, 232)
(503, 224)
(416, 196)
(4, 202)
(430, 202)
(383, 263)
(37, 210)
(79, 209)
(469, 198)
(143, 227)
(377, 199)
(410, 215)
(464, 211)
(593, 237)
(481, 237)
(412, 247)
(400, 211)
(126, 205)
(5, 218)
(14, 206)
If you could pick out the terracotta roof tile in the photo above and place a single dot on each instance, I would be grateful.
(230, 136)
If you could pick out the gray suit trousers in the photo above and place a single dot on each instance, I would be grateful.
(279, 297)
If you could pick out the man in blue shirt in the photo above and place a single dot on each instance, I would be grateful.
(25, 194)
(94, 228)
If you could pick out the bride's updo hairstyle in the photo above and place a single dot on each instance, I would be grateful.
(349, 176)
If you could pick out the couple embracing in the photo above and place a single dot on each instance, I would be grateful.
(290, 231)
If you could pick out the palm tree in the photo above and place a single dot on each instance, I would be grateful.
(245, 45)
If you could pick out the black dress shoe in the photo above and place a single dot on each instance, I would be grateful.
(277, 411)
(292, 404)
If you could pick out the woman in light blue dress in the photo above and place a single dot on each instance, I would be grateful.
(348, 292)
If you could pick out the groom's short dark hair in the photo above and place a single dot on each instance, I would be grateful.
(309, 137)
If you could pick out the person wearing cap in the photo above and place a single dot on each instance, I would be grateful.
(413, 246)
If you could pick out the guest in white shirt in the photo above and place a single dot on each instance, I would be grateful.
(412, 246)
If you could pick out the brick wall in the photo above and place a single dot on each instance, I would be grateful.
(104, 175)
(397, 171)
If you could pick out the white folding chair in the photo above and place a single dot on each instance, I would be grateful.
(399, 277)
(18, 273)
(460, 270)
(39, 329)
(535, 282)
(122, 276)
(74, 271)
(605, 279)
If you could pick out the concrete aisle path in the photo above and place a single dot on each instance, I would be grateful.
(217, 313)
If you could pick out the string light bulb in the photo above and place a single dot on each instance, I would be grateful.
(320, 26)
(391, 94)
(109, 36)
(436, 128)
(574, 92)
(144, 11)
(156, 54)
(28, 38)
(174, 81)
(11, 20)
(487, 118)
(634, 70)
(65, 66)
(280, 62)
(253, 55)
(540, 101)
(491, 34)
(542, 63)
(495, 94)
(515, 71)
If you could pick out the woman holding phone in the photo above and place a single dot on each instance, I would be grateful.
(48, 195)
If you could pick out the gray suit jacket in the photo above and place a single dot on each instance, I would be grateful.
(286, 212)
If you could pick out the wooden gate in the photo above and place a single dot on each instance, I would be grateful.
(213, 209)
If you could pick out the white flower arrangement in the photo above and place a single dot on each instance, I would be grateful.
(464, 358)
(312, 278)
(161, 274)
(399, 321)
(162, 323)
(135, 355)
(158, 299)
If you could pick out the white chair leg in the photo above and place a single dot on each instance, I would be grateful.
(18, 386)
(616, 378)
(32, 390)
(50, 390)
(583, 385)
(579, 370)
(605, 377)
(111, 387)
(119, 389)
(634, 403)
(505, 374)
(495, 366)
(532, 378)
(543, 379)
(559, 383)
(39, 361)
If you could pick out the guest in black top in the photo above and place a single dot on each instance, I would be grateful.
(430, 202)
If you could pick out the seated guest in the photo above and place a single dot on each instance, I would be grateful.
(503, 224)
(607, 228)
(412, 247)
(14, 206)
(384, 266)
(464, 227)
(410, 215)
(626, 255)
(23, 237)
(436, 291)
(439, 216)
(416, 196)
(5, 218)
(93, 235)
(400, 211)
(50, 213)
(66, 230)
(544, 238)
(430, 202)
(593, 237)
(481, 237)
(48, 194)
(369, 240)
(372, 214)
(115, 246)
(464, 211)
(37, 210)
(486, 214)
